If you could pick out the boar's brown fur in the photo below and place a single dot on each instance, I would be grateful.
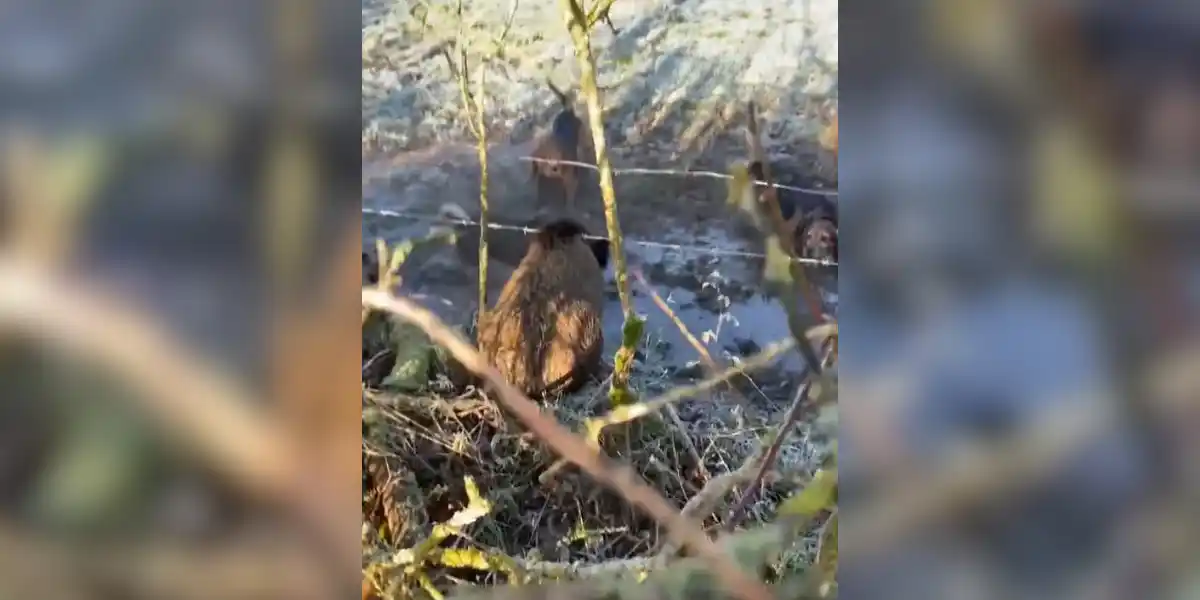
(566, 140)
(544, 332)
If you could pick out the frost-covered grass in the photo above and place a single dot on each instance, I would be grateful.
(674, 65)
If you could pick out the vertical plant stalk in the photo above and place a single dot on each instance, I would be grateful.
(481, 146)
(800, 291)
(480, 129)
(473, 107)
(290, 175)
(577, 23)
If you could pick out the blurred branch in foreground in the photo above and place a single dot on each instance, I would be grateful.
(621, 479)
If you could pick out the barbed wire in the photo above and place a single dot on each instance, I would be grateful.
(678, 173)
(706, 250)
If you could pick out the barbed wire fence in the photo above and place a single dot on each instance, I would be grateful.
(702, 250)
(436, 219)
(682, 173)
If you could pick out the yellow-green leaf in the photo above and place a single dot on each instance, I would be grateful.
(400, 254)
(739, 187)
(778, 264)
(817, 496)
(414, 357)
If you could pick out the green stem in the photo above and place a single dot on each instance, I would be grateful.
(577, 24)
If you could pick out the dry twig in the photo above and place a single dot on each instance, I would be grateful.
(204, 410)
(620, 478)
(798, 408)
(800, 290)
(629, 412)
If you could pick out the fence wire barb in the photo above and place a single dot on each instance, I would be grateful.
(677, 173)
(529, 230)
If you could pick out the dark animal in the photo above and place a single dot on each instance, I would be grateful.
(561, 143)
(544, 332)
(812, 217)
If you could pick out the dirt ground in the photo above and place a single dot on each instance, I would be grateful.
(656, 213)
(717, 297)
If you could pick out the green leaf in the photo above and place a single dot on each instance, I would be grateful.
(400, 254)
(777, 270)
(414, 358)
(1075, 209)
(820, 494)
(739, 188)
(631, 331)
(99, 471)
(477, 506)
(465, 558)
(78, 168)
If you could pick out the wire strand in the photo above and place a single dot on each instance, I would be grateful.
(677, 173)
(529, 230)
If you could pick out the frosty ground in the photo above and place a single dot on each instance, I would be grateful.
(675, 81)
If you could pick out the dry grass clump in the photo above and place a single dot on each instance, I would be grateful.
(419, 448)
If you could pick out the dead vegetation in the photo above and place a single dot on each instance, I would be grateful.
(457, 492)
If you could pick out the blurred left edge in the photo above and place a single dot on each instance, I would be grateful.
(175, 347)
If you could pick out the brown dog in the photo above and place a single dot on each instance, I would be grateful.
(813, 219)
(544, 332)
(563, 142)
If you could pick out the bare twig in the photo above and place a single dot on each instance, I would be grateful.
(759, 360)
(473, 106)
(620, 478)
(686, 439)
(508, 22)
(202, 409)
(240, 568)
(481, 147)
(798, 408)
(599, 13)
(710, 365)
(705, 502)
(801, 289)
(752, 550)
(706, 358)
(629, 412)
(976, 474)
(205, 410)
